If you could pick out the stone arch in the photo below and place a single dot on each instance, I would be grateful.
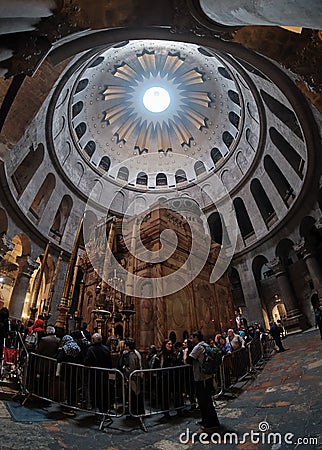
(262, 201)
(278, 179)
(61, 217)
(215, 223)
(27, 168)
(243, 219)
(236, 288)
(285, 252)
(43, 195)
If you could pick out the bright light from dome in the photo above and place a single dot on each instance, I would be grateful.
(156, 99)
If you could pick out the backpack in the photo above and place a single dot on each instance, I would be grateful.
(211, 360)
(31, 340)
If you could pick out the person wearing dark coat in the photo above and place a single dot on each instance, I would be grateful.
(48, 346)
(276, 335)
(98, 356)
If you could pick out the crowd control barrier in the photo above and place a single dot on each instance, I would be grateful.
(108, 394)
(77, 387)
(155, 391)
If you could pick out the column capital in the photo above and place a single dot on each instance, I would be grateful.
(27, 265)
(276, 266)
(303, 248)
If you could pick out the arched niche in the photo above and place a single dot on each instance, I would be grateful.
(27, 168)
(43, 195)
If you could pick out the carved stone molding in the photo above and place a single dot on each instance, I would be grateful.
(276, 266)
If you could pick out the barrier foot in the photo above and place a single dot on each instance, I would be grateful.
(106, 420)
(26, 399)
(142, 424)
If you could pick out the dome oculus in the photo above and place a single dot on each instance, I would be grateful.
(156, 99)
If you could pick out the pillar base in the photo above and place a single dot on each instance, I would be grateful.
(61, 322)
(296, 324)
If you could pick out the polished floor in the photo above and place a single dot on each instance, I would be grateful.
(279, 409)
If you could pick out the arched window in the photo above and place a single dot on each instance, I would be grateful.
(97, 61)
(180, 176)
(77, 108)
(234, 97)
(227, 138)
(199, 167)
(123, 173)
(234, 119)
(244, 223)
(161, 179)
(281, 111)
(27, 168)
(280, 182)
(216, 155)
(90, 148)
(43, 195)
(289, 152)
(61, 217)
(262, 201)
(81, 85)
(215, 227)
(142, 179)
(105, 163)
(224, 73)
(80, 129)
(236, 288)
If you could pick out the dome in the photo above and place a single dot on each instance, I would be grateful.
(115, 133)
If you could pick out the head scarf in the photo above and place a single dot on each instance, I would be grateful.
(37, 327)
(218, 336)
(70, 347)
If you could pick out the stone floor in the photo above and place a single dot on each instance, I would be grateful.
(280, 409)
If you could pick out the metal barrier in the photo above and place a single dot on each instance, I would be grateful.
(155, 391)
(255, 351)
(109, 394)
(235, 367)
(94, 389)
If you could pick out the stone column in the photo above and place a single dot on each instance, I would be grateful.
(26, 268)
(253, 310)
(295, 320)
(312, 264)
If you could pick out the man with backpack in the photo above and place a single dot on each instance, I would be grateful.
(203, 385)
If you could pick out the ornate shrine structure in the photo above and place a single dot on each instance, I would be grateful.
(148, 316)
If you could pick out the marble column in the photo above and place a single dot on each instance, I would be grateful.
(312, 264)
(26, 268)
(295, 320)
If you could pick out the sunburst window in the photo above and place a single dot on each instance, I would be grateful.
(163, 85)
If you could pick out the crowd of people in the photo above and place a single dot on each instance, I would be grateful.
(82, 348)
